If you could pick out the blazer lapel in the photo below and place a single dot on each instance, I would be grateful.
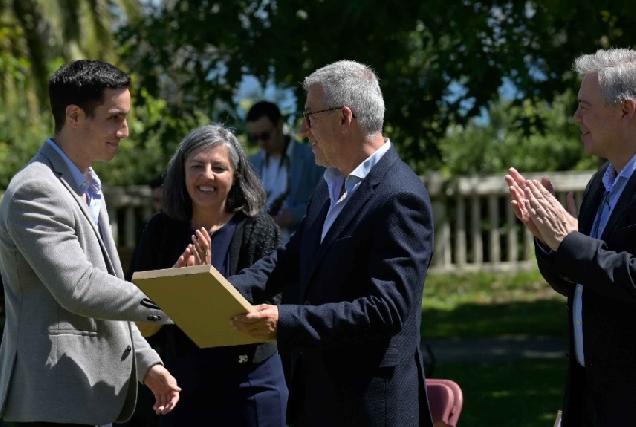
(624, 202)
(357, 201)
(66, 178)
(354, 205)
(110, 250)
(316, 214)
(591, 202)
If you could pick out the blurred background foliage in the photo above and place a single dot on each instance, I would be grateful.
(470, 86)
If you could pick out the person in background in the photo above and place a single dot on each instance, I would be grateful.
(285, 166)
(289, 173)
(212, 214)
(71, 354)
(590, 257)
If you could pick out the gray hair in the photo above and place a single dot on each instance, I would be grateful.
(616, 70)
(246, 195)
(355, 85)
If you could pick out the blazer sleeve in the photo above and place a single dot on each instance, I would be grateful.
(145, 356)
(401, 250)
(545, 262)
(45, 231)
(273, 273)
(589, 261)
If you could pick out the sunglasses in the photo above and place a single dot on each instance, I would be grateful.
(263, 136)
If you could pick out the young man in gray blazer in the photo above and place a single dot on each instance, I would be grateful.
(70, 354)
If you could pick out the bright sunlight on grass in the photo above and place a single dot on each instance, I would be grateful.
(486, 304)
(517, 394)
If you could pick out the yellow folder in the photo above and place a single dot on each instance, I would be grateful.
(200, 301)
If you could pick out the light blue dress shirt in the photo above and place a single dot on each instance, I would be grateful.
(614, 186)
(335, 179)
(89, 184)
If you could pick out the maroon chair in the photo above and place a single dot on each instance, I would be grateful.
(446, 400)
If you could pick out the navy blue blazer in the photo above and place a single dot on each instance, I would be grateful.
(606, 268)
(358, 330)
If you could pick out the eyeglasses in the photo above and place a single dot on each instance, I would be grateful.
(263, 136)
(322, 111)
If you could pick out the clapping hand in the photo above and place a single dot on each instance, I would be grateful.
(517, 185)
(199, 252)
(551, 219)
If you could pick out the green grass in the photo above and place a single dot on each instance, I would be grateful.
(486, 304)
(519, 394)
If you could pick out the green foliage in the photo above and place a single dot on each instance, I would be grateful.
(551, 142)
(36, 38)
(440, 61)
(488, 304)
(35, 34)
(20, 138)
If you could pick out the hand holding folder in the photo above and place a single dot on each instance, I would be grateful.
(200, 301)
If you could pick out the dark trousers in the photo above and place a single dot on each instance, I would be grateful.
(588, 414)
(585, 414)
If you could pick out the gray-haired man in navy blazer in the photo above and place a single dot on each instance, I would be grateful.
(360, 254)
(592, 259)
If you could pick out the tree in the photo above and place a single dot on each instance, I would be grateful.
(38, 35)
(497, 144)
(36, 38)
(441, 61)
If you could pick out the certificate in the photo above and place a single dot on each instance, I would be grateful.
(200, 301)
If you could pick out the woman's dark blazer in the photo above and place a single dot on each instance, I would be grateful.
(253, 238)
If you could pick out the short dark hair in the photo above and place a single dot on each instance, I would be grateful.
(264, 109)
(246, 195)
(82, 83)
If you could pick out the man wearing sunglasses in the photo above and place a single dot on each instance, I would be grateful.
(360, 254)
(286, 167)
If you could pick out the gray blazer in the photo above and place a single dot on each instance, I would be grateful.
(304, 175)
(69, 353)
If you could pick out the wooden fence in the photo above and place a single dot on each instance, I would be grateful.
(475, 227)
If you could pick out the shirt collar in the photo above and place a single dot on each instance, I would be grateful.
(333, 175)
(79, 178)
(610, 177)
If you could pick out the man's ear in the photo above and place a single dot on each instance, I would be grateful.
(73, 115)
(279, 125)
(628, 107)
(347, 115)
